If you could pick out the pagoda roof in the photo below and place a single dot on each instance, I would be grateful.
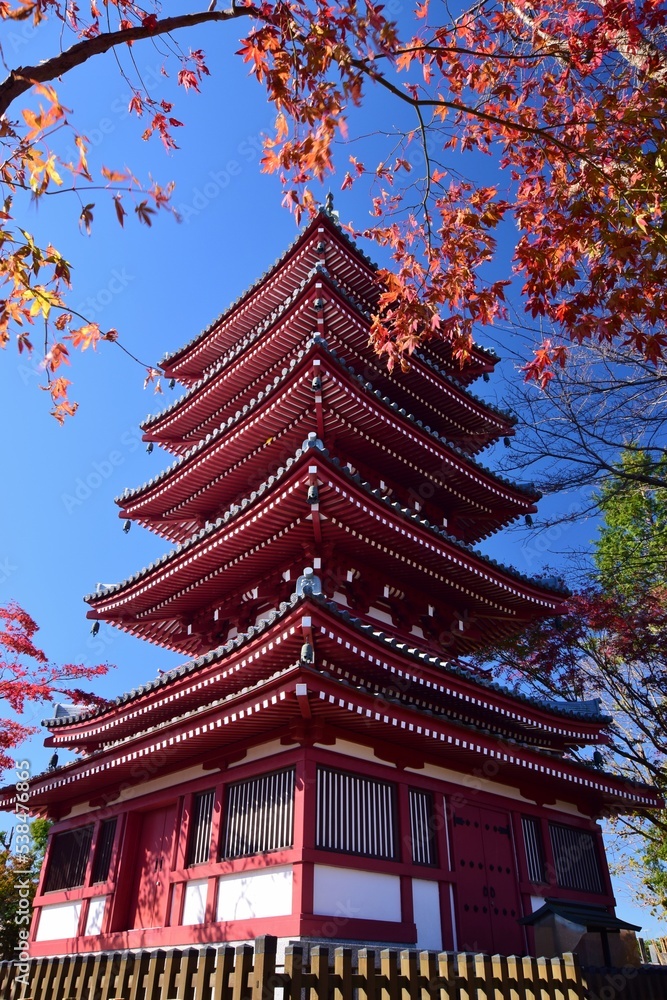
(273, 705)
(191, 360)
(279, 513)
(251, 360)
(483, 499)
(378, 657)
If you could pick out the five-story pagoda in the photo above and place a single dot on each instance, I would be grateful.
(322, 766)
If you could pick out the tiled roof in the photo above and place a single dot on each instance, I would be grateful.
(593, 918)
(237, 509)
(239, 347)
(263, 277)
(528, 490)
(261, 328)
(488, 352)
(586, 710)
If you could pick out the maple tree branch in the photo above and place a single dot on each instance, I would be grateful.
(22, 78)
(423, 102)
(638, 51)
(435, 49)
(427, 190)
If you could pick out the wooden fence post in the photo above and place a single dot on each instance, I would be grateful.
(128, 964)
(241, 989)
(293, 971)
(484, 976)
(465, 976)
(409, 981)
(172, 964)
(389, 972)
(366, 963)
(202, 982)
(263, 982)
(427, 963)
(319, 967)
(62, 967)
(184, 979)
(342, 983)
(38, 984)
(571, 969)
(139, 971)
(100, 970)
(224, 971)
(71, 980)
(156, 962)
(543, 979)
(515, 973)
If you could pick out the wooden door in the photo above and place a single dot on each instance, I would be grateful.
(154, 852)
(502, 883)
(487, 890)
(473, 920)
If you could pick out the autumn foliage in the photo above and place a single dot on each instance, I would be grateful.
(568, 98)
(28, 676)
(559, 107)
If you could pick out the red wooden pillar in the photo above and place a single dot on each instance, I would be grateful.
(112, 877)
(125, 874)
(216, 832)
(85, 901)
(603, 864)
(444, 851)
(305, 814)
(405, 852)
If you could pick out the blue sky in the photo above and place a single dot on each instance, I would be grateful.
(60, 533)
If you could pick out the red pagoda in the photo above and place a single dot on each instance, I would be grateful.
(323, 766)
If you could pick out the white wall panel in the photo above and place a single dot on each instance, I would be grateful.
(58, 921)
(426, 904)
(265, 893)
(356, 894)
(95, 914)
(194, 904)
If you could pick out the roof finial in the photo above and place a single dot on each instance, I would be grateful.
(329, 204)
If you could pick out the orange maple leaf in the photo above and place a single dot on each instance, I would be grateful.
(85, 336)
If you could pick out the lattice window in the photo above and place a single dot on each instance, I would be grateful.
(575, 858)
(102, 858)
(356, 815)
(259, 815)
(532, 838)
(422, 828)
(199, 842)
(68, 859)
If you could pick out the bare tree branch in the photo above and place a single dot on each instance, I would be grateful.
(22, 78)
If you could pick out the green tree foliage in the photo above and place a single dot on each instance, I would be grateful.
(19, 875)
(631, 552)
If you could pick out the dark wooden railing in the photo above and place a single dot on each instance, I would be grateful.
(251, 973)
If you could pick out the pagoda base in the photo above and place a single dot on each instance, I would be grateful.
(425, 857)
